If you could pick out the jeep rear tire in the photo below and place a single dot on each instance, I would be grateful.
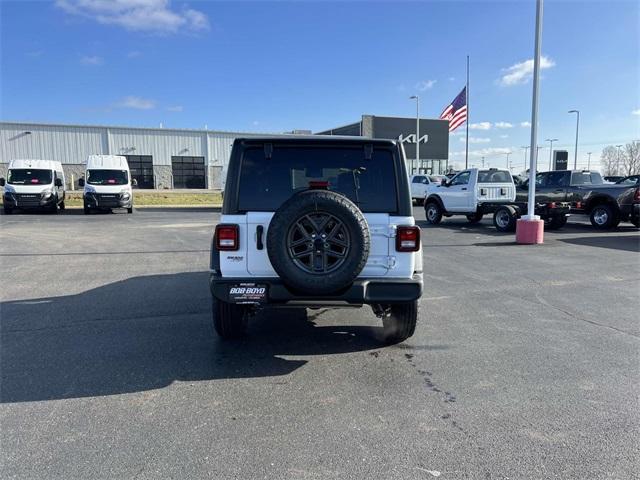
(433, 212)
(401, 323)
(318, 242)
(229, 319)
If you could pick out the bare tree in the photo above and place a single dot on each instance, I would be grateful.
(630, 159)
(609, 160)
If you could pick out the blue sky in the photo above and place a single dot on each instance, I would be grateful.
(277, 66)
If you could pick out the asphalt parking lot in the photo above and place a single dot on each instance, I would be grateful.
(525, 363)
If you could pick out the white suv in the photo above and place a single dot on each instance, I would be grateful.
(316, 222)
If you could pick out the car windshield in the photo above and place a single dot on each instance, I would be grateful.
(107, 177)
(493, 176)
(266, 183)
(29, 176)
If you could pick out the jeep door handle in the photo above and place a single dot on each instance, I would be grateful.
(259, 232)
(463, 188)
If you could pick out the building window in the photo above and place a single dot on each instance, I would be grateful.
(188, 172)
(141, 167)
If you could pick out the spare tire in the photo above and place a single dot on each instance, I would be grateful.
(318, 242)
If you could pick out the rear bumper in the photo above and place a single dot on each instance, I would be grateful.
(362, 291)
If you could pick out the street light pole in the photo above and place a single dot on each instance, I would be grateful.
(507, 154)
(589, 161)
(417, 99)
(531, 214)
(482, 162)
(618, 159)
(575, 153)
(526, 149)
(551, 140)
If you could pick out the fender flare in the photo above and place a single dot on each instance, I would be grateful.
(600, 199)
(434, 197)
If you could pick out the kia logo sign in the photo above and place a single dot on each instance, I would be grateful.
(411, 138)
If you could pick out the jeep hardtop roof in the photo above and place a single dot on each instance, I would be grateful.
(319, 139)
(399, 187)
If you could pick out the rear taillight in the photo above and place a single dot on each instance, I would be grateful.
(636, 196)
(552, 205)
(408, 239)
(227, 237)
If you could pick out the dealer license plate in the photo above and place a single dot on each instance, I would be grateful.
(248, 293)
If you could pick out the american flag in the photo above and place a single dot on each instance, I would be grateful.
(456, 113)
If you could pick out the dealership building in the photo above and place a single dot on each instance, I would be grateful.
(176, 158)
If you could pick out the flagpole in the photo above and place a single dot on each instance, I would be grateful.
(466, 152)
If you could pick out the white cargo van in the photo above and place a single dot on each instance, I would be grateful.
(33, 184)
(107, 183)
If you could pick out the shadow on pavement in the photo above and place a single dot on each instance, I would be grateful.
(464, 227)
(144, 333)
(66, 211)
(629, 243)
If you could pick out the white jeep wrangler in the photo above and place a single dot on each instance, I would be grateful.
(316, 222)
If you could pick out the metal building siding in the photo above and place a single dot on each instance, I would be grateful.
(160, 145)
(68, 145)
(72, 144)
(220, 148)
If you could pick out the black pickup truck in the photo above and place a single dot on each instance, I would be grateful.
(606, 204)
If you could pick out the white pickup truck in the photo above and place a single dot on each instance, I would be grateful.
(475, 192)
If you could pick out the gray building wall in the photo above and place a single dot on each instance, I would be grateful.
(72, 144)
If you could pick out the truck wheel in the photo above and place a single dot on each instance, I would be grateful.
(419, 201)
(229, 319)
(603, 217)
(475, 217)
(433, 212)
(401, 323)
(504, 219)
(636, 222)
(556, 222)
(62, 206)
(53, 209)
(130, 210)
(7, 210)
(86, 209)
(318, 242)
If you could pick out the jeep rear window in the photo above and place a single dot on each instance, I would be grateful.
(493, 176)
(265, 184)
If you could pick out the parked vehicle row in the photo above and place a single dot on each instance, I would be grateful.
(606, 204)
(475, 193)
(40, 184)
(478, 192)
